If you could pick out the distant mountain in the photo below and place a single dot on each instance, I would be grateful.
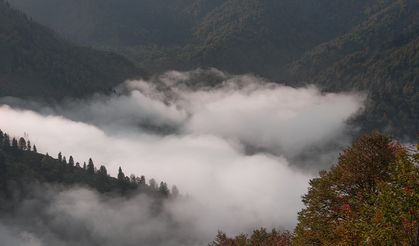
(238, 36)
(381, 55)
(340, 45)
(36, 62)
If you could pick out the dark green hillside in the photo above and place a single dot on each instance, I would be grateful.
(381, 56)
(262, 36)
(35, 62)
(340, 45)
(20, 165)
(239, 36)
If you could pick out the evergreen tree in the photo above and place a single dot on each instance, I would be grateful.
(6, 141)
(142, 180)
(71, 161)
(60, 157)
(121, 175)
(163, 189)
(15, 145)
(35, 149)
(22, 144)
(90, 167)
(84, 166)
(29, 146)
(102, 171)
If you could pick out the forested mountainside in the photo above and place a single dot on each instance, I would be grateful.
(256, 36)
(21, 165)
(339, 45)
(34, 62)
(380, 56)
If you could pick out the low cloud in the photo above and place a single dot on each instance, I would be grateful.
(242, 148)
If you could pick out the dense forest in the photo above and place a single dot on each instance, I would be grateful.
(369, 46)
(35, 62)
(21, 165)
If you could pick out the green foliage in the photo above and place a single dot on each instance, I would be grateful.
(371, 197)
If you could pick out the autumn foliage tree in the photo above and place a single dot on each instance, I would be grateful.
(371, 197)
(260, 237)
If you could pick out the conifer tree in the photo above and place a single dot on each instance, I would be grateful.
(90, 167)
(102, 171)
(22, 144)
(6, 140)
(71, 161)
(14, 144)
(121, 175)
(163, 189)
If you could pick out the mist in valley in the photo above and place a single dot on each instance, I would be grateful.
(240, 149)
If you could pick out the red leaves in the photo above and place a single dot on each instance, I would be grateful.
(408, 189)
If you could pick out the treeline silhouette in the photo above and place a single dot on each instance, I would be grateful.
(21, 164)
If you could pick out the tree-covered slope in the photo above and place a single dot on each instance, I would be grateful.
(339, 45)
(380, 56)
(21, 165)
(35, 62)
(262, 36)
(239, 36)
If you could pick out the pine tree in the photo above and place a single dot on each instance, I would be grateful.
(22, 144)
(29, 146)
(90, 167)
(163, 189)
(71, 161)
(121, 175)
(35, 149)
(6, 141)
(142, 180)
(15, 145)
(102, 171)
(60, 157)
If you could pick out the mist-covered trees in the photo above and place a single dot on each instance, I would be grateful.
(20, 165)
(371, 197)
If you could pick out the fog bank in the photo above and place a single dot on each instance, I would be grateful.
(242, 148)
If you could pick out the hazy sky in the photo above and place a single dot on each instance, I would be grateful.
(236, 148)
